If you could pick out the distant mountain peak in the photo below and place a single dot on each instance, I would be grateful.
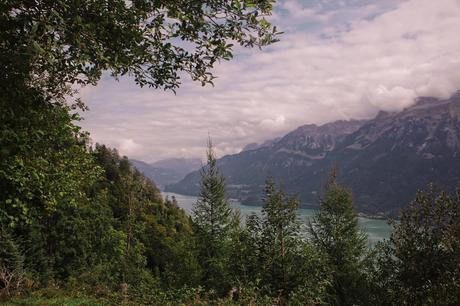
(316, 140)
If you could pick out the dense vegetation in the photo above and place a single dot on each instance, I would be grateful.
(119, 242)
(78, 224)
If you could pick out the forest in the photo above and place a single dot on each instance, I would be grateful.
(79, 225)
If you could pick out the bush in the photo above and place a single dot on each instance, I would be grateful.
(12, 274)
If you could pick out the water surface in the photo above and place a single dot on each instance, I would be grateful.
(375, 229)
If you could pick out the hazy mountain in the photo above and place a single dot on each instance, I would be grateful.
(384, 160)
(180, 165)
(167, 171)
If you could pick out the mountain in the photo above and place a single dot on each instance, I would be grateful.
(384, 161)
(254, 145)
(167, 171)
(179, 165)
(282, 159)
(391, 157)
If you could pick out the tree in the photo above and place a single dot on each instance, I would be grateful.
(279, 238)
(213, 222)
(52, 190)
(12, 275)
(277, 258)
(336, 233)
(43, 160)
(420, 264)
(51, 43)
(45, 170)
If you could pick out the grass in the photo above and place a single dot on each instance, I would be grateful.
(61, 299)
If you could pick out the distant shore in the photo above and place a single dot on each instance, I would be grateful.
(372, 216)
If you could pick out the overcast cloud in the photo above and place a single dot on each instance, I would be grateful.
(337, 60)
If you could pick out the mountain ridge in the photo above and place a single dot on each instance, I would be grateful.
(384, 160)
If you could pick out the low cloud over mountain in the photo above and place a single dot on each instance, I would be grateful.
(384, 160)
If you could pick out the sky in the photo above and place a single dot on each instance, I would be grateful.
(337, 60)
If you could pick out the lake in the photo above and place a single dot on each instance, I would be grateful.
(375, 229)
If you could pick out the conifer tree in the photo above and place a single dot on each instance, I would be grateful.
(280, 236)
(213, 221)
(335, 232)
(275, 236)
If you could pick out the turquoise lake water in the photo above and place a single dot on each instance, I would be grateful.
(375, 229)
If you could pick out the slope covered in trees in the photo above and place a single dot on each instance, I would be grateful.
(118, 231)
(121, 242)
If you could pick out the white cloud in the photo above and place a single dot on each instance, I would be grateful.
(391, 99)
(296, 10)
(377, 56)
(129, 147)
(275, 124)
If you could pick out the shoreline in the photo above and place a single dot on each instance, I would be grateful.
(374, 216)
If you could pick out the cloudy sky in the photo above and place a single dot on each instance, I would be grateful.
(338, 59)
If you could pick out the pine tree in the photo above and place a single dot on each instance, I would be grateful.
(275, 236)
(335, 232)
(213, 221)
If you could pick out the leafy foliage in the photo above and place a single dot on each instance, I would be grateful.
(72, 41)
(157, 234)
(36, 177)
(420, 263)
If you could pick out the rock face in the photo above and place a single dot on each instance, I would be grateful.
(384, 161)
(392, 156)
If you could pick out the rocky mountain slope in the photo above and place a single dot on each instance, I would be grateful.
(391, 157)
(384, 160)
(283, 159)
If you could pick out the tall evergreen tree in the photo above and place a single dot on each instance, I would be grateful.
(335, 232)
(280, 238)
(213, 221)
(277, 258)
